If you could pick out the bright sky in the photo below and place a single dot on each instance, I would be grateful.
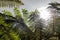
(44, 13)
(34, 4)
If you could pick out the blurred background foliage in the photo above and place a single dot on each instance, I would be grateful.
(25, 25)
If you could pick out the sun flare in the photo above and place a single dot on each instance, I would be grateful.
(44, 13)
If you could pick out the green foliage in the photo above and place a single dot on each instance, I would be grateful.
(25, 16)
(7, 32)
(15, 35)
(10, 3)
(24, 11)
(17, 12)
(7, 12)
(1, 20)
(57, 24)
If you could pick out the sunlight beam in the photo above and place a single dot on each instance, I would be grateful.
(44, 13)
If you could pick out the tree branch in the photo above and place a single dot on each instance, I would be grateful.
(21, 23)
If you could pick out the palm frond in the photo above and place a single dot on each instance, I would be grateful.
(10, 3)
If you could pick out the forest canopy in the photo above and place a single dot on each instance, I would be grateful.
(26, 25)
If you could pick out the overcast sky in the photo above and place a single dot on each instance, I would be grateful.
(34, 4)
